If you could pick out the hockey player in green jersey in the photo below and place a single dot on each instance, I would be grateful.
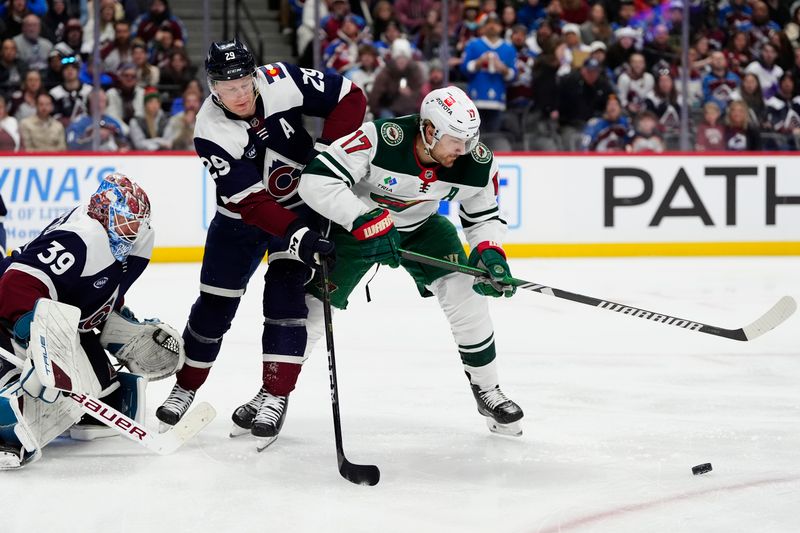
(382, 185)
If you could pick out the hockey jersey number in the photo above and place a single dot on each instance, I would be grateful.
(363, 140)
(59, 260)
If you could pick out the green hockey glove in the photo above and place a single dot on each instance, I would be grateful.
(489, 256)
(380, 240)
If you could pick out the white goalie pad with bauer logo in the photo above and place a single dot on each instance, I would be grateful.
(151, 348)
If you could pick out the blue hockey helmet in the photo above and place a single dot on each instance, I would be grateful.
(123, 208)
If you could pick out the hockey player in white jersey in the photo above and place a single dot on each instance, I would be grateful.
(382, 186)
(85, 260)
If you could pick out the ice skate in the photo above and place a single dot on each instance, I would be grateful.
(244, 414)
(10, 457)
(502, 415)
(269, 420)
(174, 407)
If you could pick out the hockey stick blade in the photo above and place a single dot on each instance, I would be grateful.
(160, 443)
(779, 312)
(358, 474)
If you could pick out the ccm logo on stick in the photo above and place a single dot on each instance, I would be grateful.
(109, 415)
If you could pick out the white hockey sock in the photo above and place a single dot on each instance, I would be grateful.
(485, 377)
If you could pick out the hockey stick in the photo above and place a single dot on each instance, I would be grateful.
(769, 320)
(160, 443)
(358, 474)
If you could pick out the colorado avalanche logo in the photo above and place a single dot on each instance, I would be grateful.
(283, 180)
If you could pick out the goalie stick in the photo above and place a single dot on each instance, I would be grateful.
(777, 314)
(160, 443)
(358, 474)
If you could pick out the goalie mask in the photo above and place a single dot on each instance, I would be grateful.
(122, 207)
(451, 112)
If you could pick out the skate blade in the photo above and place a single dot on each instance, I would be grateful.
(238, 431)
(9, 461)
(263, 442)
(513, 429)
(163, 427)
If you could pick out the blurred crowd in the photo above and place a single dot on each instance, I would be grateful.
(573, 75)
(150, 94)
(576, 75)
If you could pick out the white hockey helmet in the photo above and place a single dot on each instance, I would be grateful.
(451, 112)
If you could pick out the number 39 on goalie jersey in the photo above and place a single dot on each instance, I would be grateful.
(71, 262)
(377, 167)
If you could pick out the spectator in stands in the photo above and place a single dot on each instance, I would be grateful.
(119, 50)
(734, 14)
(80, 130)
(69, 97)
(41, 132)
(530, 14)
(765, 68)
(147, 75)
(488, 64)
(796, 71)
(331, 24)
(72, 41)
(575, 11)
(177, 73)
(161, 47)
(9, 129)
(52, 75)
(148, 130)
(55, 20)
(342, 53)
(12, 68)
(751, 94)
(646, 137)
(783, 114)
(159, 17)
(435, 79)
(397, 86)
(180, 128)
(634, 84)
(382, 13)
(366, 68)
(17, 10)
(702, 47)
(520, 89)
(609, 133)
(792, 29)
(429, 37)
(625, 14)
(508, 17)
(553, 14)
(576, 52)
(738, 52)
(710, 132)
(32, 48)
(110, 12)
(127, 98)
(719, 84)
(23, 101)
(785, 49)
(307, 29)
(582, 95)
(665, 104)
(760, 27)
(596, 27)
(622, 48)
(740, 134)
(411, 13)
(544, 40)
(470, 26)
(660, 49)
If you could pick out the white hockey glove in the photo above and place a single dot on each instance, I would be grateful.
(151, 348)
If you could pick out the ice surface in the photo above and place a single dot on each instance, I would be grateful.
(618, 410)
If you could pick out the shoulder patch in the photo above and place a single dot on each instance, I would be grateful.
(481, 154)
(392, 133)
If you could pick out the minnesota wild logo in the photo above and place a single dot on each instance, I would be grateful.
(391, 133)
(481, 154)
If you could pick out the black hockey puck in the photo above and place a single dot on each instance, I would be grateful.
(701, 469)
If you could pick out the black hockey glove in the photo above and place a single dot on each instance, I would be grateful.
(379, 239)
(490, 256)
(309, 246)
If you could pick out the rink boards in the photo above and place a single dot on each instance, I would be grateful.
(555, 204)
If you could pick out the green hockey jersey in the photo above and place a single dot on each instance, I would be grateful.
(377, 166)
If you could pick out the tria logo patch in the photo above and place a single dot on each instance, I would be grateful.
(391, 133)
(390, 181)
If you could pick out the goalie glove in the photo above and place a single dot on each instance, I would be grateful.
(379, 240)
(151, 348)
(489, 256)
